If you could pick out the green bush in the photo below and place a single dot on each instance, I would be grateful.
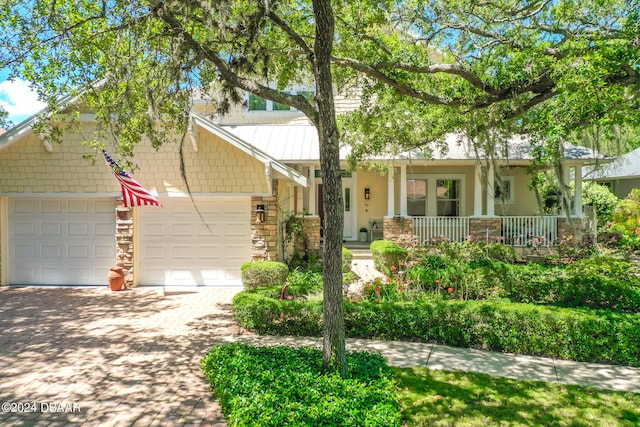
(271, 316)
(602, 199)
(347, 257)
(257, 274)
(600, 283)
(283, 386)
(575, 334)
(387, 254)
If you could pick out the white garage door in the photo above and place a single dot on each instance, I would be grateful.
(57, 241)
(177, 247)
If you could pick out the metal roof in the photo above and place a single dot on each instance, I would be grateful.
(625, 166)
(299, 144)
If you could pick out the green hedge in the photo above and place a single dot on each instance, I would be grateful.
(387, 254)
(574, 334)
(283, 386)
(257, 274)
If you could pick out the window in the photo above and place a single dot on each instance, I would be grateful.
(417, 197)
(258, 104)
(503, 189)
(448, 197)
(347, 199)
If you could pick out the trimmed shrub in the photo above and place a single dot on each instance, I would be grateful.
(347, 257)
(256, 274)
(576, 334)
(387, 254)
(283, 386)
(269, 316)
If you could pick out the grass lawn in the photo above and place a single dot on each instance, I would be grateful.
(442, 398)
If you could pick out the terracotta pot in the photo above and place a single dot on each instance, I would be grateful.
(115, 278)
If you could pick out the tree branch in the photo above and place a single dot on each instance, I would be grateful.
(233, 78)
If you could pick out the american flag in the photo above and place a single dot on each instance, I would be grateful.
(133, 194)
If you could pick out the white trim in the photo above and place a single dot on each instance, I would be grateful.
(477, 191)
(391, 197)
(353, 213)
(491, 195)
(578, 210)
(119, 194)
(11, 136)
(135, 240)
(4, 241)
(244, 146)
(403, 190)
(66, 195)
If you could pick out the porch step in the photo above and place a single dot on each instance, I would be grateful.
(360, 250)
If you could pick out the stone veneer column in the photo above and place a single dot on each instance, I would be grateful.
(480, 227)
(578, 228)
(312, 230)
(394, 227)
(264, 234)
(124, 242)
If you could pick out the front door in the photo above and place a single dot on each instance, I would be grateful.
(349, 203)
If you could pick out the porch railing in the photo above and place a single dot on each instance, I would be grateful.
(529, 230)
(515, 230)
(430, 229)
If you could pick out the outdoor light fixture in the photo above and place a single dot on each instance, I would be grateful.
(260, 213)
(367, 193)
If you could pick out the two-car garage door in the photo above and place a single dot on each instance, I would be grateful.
(71, 241)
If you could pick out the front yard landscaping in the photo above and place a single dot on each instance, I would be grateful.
(458, 294)
(470, 295)
(277, 386)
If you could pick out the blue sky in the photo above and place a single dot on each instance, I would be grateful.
(17, 99)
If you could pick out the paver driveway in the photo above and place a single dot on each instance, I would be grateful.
(109, 358)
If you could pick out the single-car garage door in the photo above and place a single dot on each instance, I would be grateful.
(61, 241)
(178, 247)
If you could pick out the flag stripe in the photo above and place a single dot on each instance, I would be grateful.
(133, 194)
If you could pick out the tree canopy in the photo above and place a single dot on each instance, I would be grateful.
(547, 68)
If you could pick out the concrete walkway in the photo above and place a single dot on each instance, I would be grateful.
(95, 357)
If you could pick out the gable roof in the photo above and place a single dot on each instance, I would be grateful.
(299, 144)
(269, 161)
(625, 166)
(12, 135)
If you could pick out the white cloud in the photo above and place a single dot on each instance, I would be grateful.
(19, 100)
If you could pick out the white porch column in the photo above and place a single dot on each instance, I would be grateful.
(491, 192)
(566, 180)
(477, 191)
(577, 196)
(391, 196)
(403, 190)
(313, 203)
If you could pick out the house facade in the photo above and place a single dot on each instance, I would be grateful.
(62, 221)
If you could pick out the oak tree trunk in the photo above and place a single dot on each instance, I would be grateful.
(334, 353)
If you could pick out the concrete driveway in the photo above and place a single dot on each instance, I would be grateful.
(96, 357)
